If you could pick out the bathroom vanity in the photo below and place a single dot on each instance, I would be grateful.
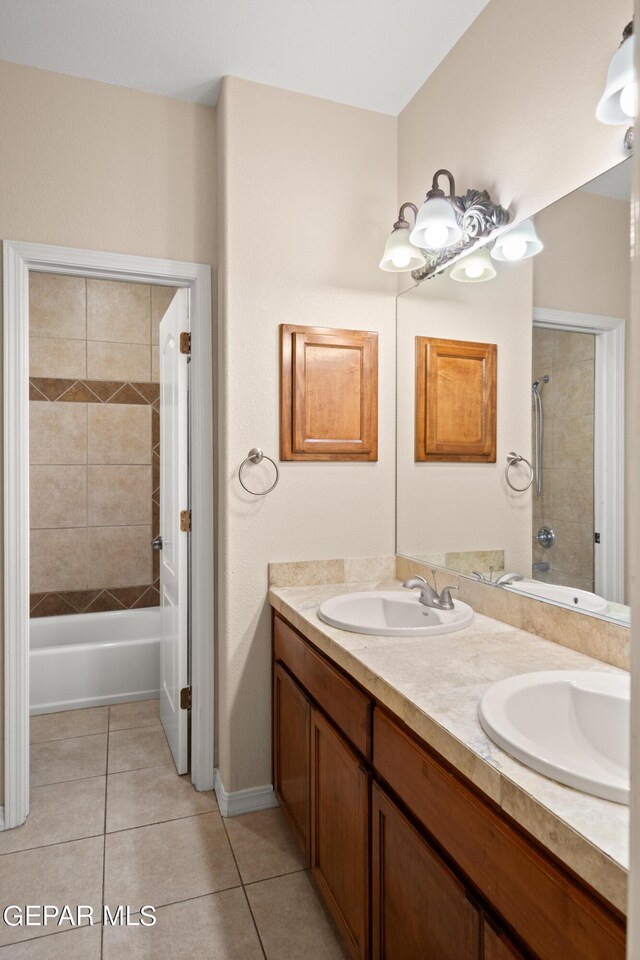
(424, 839)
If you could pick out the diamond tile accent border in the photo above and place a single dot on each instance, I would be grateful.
(94, 601)
(56, 389)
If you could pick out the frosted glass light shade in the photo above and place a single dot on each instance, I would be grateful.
(400, 256)
(518, 243)
(476, 267)
(618, 102)
(436, 225)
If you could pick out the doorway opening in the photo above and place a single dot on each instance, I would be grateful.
(97, 370)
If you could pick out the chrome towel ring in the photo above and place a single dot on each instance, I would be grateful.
(513, 459)
(257, 456)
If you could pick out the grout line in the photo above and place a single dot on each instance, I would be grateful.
(154, 823)
(46, 936)
(276, 876)
(104, 832)
(235, 860)
(56, 843)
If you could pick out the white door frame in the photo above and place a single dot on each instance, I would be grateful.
(608, 472)
(20, 258)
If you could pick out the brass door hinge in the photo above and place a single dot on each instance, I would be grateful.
(185, 521)
(185, 698)
(185, 343)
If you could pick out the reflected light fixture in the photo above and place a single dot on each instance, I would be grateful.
(519, 243)
(476, 267)
(445, 227)
(618, 102)
(400, 255)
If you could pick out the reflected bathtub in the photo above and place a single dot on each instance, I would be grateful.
(90, 659)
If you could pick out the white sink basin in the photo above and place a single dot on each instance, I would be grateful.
(388, 613)
(572, 726)
(578, 599)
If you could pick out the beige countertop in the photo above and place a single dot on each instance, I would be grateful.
(435, 685)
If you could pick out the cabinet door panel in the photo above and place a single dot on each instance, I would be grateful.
(419, 908)
(291, 738)
(340, 832)
(497, 946)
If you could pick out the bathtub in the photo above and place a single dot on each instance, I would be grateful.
(89, 659)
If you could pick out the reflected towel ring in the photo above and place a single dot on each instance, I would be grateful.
(513, 459)
(257, 456)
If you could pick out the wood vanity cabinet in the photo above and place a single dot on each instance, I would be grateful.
(413, 862)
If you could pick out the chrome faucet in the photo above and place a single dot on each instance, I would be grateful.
(501, 581)
(429, 595)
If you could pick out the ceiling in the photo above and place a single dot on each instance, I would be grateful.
(372, 55)
(615, 183)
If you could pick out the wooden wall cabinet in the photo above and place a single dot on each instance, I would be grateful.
(412, 861)
(455, 401)
(328, 394)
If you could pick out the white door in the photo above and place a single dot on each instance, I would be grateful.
(174, 499)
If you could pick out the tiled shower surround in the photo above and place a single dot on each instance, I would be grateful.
(94, 443)
(566, 504)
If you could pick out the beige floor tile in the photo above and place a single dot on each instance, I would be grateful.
(138, 713)
(66, 874)
(85, 943)
(139, 797)
(59, 812)
(141, 747)
(292, 921)
(218, 926)
(72, 759)
(171, 861)
(68, 723)
(264, 845)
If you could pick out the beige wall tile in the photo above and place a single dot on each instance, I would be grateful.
(57, 432)
(569, 495)
(161, 297)
(118, 361)
(119, 495)
(155, 364)
(289, 574)
(58, 560)
(542, 348)
(569, 348)
(119, 433)
(572, 443)
(573, 390)
(57, 358)
(118, 311)
(57, 306)
(58, 496)
(118, 556)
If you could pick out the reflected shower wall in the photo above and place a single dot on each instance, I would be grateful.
(566, 503)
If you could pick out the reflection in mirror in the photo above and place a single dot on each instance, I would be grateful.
(557, 321)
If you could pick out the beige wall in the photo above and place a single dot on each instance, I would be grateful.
(512, 107)
(584, 266)
(445, 507)
(309, 194)
(90, 165)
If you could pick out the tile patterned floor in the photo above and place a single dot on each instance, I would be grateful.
(112, 823)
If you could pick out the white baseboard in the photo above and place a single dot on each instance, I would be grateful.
(243, 801)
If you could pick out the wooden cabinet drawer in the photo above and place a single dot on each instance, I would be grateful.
(552, 914)
(348, 707)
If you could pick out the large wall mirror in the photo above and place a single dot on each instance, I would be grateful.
(558, 322)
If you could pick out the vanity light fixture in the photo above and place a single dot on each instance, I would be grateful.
(618, 102)
(445, 227)
(476, 267)
(400, 254)
(519, 243)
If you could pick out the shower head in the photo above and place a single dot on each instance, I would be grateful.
(540, 381)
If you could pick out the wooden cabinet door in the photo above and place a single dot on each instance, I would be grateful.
(340, 832)
(497, 946)
(291, 743)
(419, 909)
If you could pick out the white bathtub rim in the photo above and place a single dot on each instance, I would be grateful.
(87, 702)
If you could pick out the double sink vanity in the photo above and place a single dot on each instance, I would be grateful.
(458, 784)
